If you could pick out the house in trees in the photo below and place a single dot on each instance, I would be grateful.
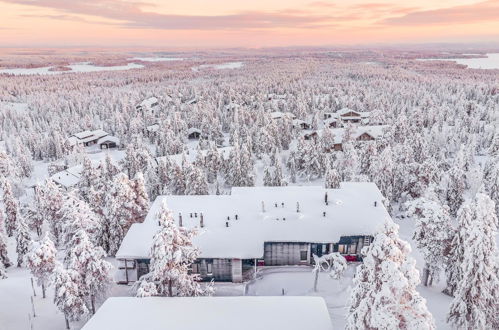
(261, 226)
(344, 116)
(193, 133)
(69, 177)
(310, 135)
(148, 104)
(188, 313)
(301, 124)
(87, 138)
(358, 134)
(108, 142)
(278, 115)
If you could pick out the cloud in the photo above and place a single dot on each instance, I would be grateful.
(132, 15)
(478, 12)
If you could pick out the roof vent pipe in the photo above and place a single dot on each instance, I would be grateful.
(201, 221)
(375, 203)
(180, 219)
(297, 207)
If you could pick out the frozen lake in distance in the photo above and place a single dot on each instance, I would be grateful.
(489, 62)
(77, 67)
(157, 59)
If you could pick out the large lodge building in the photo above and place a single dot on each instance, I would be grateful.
(262, 226)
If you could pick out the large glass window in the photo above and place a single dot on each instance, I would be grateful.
(303, 255)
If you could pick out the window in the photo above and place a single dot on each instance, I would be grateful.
(209, 268)
(303, 255)
(342, 248)
(195, 268)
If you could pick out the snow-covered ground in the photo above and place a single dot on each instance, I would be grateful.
(77, 67)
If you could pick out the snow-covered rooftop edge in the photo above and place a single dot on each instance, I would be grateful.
(211, 313)
(264, 214)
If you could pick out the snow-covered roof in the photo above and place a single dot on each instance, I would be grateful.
(279, 115)
(65, 179)
(153, 128)
(376, 131)
(211, 313)
(87, 136)
(193, 130)
(350, 211)
(108, 138)
(149, 102)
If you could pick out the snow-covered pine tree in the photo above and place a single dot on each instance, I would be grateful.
(3, 272)
(453, 267)
(118, 212)
(332, 180)
(172, 254)
(432, 232)
(88, 261)
(33, 217)
(49, 201)
(11, 208)
(475, 298)
(384, 295)
(141, 199)
(4, 257)
(456, 185)
(196, 183)
(67, 296)
(75, 215)
(23, 240)
(41, 260)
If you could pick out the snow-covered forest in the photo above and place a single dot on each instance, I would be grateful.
(428, 137)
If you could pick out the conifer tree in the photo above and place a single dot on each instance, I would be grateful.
(11, 208)
(384, 295)
(41, 260)
(172, 254)
(88, 261)
(68, 297)
(23, 240)
(475, 297)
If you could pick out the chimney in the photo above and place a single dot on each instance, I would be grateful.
(195, 215)
(191, 215)
(180, 219)
(236, 216)
(324, 213)
(275, 204)
(297, 207)
(283, 219)
(263, 206)
(201, 222)
(325, 198)
(226, 223)
(282, 204)
(375, 203)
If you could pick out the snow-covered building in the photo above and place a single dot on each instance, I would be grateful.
(260, 226)
(278, 115)
(87, 138)
(147, 104)
(301, 124)
(193, 133)
(345, 115)
(358, 133)
(108, 142)
(220, 313)
(69, 177)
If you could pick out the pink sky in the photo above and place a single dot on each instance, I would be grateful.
(244, 23)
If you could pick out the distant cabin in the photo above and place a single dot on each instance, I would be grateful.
(261, 226)
(345, 115)
(301, 124)
(87, 138)
(193, 133)
(147, 104)
(108, 142)
(210, 313)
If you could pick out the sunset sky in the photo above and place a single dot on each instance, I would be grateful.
(244, 23)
